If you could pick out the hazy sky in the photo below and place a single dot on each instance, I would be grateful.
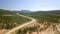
(32, 5)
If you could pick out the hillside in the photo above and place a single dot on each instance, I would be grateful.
(48, 12)
(45, 20)
(2, 11)
(25, 11)
(46, 23)
(9, 22)
(10, 19)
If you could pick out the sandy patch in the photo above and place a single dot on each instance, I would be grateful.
(3, 31)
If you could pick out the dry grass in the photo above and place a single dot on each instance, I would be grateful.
(3, 31)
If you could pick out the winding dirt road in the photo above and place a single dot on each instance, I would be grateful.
(23, 25)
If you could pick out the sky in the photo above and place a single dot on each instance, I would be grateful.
(33, 5)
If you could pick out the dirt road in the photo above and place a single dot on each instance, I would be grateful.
(23, 25)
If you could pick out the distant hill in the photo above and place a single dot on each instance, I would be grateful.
(25, 11)
(7, 12)
(48, 12)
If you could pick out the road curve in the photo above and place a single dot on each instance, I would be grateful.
(23, 25)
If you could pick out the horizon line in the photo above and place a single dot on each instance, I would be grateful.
(30, 10)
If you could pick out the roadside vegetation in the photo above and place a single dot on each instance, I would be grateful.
(45, 18)
(28, 30)
(49, 20)
(9, 22)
